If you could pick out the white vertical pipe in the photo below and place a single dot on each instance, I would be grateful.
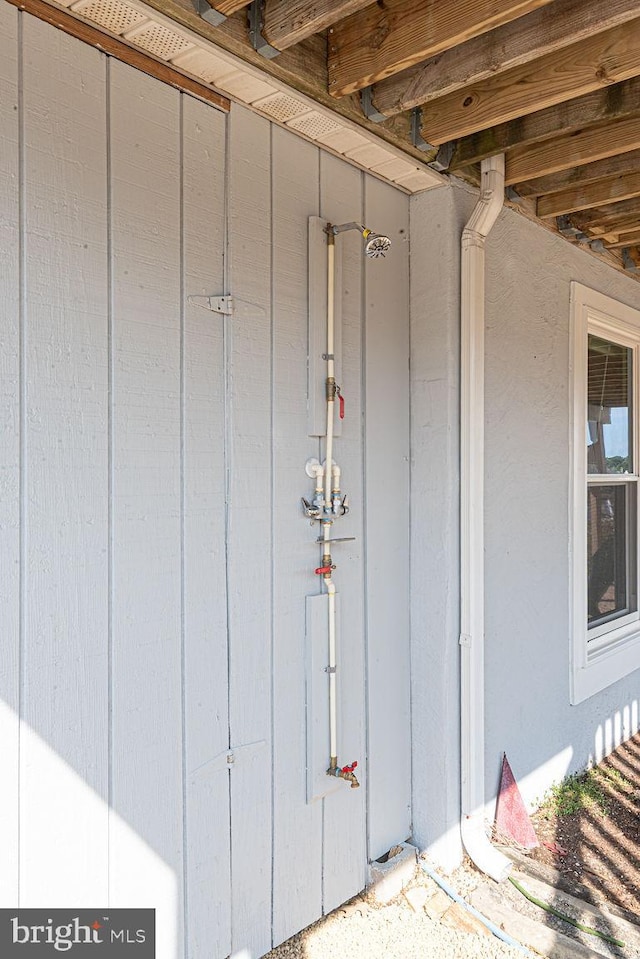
(330, 364)
(333, 718)
(491, 200)
(326, 528)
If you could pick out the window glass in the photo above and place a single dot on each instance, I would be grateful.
(611, 548)
(609, 448)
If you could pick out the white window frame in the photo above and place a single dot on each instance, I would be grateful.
(611, 651)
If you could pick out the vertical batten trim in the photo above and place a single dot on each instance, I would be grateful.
(110, 463)
(227, 402)
(22, 277)
(272, 512)
(365, 540)
(183, 651)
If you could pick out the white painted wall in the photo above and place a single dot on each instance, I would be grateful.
(155, 560)
(529, 271)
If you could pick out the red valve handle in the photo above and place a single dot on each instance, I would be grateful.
(341, 401)
(323, 569)
(349, 769)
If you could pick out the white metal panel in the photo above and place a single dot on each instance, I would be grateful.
(10, 417)
(297, 849)
(387, 530)
(63, 750)
(205, 597)
(344, 814)
(147, 824)
(250, 571)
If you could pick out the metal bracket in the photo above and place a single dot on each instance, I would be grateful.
(465, 640)
(217, 304)
(256, 23)
(207, 12)
(597, 246)
(368, 108)
(628, 262)
(443, 159)
(566, 227)
(512, 195)
(416, 132)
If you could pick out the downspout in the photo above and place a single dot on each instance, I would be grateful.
(472, 712)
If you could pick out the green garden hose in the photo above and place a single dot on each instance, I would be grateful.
(561, 915)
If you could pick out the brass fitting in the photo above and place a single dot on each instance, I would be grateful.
(331, 389)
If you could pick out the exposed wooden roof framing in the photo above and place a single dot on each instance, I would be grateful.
(555, 84)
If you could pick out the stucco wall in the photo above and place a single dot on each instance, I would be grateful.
(527, 512)
(528, 715)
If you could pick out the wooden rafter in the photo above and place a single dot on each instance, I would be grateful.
(287, 22)
(598, 61)
(572, 149)
(610, 218)
(617, 102)
(626, 239)
(589, 195)
(227, 7)
(384, 39)
(514, 44)
(580, 176)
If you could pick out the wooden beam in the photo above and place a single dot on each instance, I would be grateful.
(596, 62)
(572, 149)
(511, 45)
(122, 51)
(617, 102)
(590, 195)
(227, 7)
(631, 238)
(610, 218)
(580, 176)
(385, 38)
(287, 22)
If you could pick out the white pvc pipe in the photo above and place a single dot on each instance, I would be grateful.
(328, 472)
(333, 718)
(475, 840)
(330, 366)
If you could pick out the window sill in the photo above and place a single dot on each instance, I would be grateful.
(608, 664)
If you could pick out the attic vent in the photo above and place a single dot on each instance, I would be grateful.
(112, 14)
(160, 41)
(314, 125)
(281, 107)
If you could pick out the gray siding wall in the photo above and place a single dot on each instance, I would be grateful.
(154, 558)
(528, 714)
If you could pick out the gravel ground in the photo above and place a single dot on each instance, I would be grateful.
(363, 929)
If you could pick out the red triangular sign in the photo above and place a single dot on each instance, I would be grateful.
(512, 818)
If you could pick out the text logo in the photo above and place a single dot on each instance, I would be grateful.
(77, 933)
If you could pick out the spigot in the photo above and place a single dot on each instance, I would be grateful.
(310, 510)
(344, 772)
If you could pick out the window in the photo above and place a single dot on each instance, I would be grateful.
(606, 438)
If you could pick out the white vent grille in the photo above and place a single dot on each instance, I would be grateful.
(281, 107)
(111, 14)
(203, 64)
(159, 40)
(314, 125)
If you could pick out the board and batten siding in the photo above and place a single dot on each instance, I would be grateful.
(155, 560)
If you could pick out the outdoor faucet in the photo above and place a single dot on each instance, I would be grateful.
(346, 772)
